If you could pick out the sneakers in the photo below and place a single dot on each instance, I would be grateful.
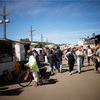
(79, 72)
(52, 74)
(97, 72)
(71, 72)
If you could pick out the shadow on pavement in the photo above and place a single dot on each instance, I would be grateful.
(49, 81)
(65, 65)
(46, 80)
(87, 70)
(4, 88)
(12, 92)
(82, 71)
(64, 70)
(10, 82)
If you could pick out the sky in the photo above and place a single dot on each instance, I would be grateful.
(59, 21)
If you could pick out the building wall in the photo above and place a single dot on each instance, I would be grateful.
(85, 42)
(19, 51)
(7, 66)
(7, 63)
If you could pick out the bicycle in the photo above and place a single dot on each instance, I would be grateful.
(25, 78)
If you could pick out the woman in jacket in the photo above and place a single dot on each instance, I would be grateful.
(50, 58)
(71, 60)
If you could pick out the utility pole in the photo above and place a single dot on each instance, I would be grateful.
(42, 42)
(4, 21)
(41, 38)
(31, 33)
(47, 40)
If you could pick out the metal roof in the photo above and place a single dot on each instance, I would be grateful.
(6, 40)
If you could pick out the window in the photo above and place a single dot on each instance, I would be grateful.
(5, 51)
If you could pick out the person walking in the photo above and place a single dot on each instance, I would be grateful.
(55, 60)
(58, 55)
(98, 59)
(71, 60)
(83, 57)
(79, 54)
(89, 52)
(50, 58)
(95, 58)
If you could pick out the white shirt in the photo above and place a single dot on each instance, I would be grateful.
(89, 52)
(79, 53)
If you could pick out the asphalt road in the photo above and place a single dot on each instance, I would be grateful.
(61, 86)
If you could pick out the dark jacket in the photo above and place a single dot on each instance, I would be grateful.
(58, 55)
(50, 58)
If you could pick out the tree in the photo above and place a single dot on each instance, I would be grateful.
(25, 40)
(39, 45)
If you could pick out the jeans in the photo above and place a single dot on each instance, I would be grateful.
(51, 67)
(59, 66)
(79, 63)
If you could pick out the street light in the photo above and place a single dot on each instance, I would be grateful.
(4, 21)
(1, 21)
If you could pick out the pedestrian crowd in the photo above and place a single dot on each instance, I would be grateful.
(79, 54)
(54, 59)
